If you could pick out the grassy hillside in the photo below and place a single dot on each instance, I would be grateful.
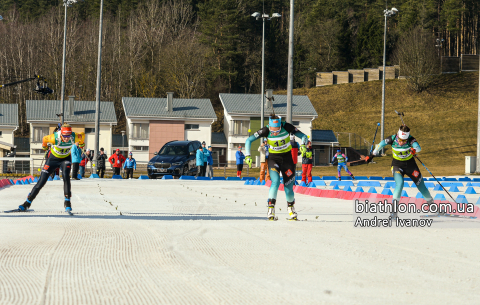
(442, 119)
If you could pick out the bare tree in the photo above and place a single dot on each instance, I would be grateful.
(418, 59)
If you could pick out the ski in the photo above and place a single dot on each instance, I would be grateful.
(18, 211)
(272, 218)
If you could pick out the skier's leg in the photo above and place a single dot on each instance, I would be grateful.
(275, 177)
(416, 176)
(66, 166)
(288, 173)
(309, 173)
(50, 166)
(339, 168)
(304, 173)
(398, 176)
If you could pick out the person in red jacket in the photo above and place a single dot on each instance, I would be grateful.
(117, 160)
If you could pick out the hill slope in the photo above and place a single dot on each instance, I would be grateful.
(443, 119)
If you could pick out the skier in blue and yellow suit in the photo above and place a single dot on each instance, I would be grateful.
(279, 160)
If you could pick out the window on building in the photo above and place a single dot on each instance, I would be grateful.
(142, 148)
(39, 133)
(38, 151)
(235, 145)
(89, 130)
(240, 128)
(295, 123)
(140, 131)
(192, 126)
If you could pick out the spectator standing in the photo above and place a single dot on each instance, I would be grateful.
(199, 161)
(116, 160)
(307, 163)
(101, 161)
(206, 153)
(209, 172)
(86, 157)
(76, 158)
(130, 165)
(263, 149)
(239, 156)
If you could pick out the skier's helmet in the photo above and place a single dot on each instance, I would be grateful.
(338, 150)
(66, 130)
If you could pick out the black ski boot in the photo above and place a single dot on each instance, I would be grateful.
(25, 206)
(68, 205)
(339, 178)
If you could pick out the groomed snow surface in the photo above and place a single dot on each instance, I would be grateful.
(208, 242)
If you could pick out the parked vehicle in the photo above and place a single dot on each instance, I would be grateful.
(176, 158)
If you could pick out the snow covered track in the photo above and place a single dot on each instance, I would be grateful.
(195, 242)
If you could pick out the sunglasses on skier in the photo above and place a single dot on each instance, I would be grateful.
(274, 132)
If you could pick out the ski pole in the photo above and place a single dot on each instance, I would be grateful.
(43, 160)
(373, 143)
(434, 177)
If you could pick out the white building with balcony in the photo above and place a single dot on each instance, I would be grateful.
(242, 112)
(42, 118)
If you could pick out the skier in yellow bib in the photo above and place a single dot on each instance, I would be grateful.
(59, 156)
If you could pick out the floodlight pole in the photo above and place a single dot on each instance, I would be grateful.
(290, 64)
(386, 13)
(262, 107)
(99, 83)
(383, 79)
(62, 98)
(478, 121)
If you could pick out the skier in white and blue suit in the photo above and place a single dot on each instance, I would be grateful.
(279, 160)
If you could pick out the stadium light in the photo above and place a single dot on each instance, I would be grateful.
(386, 13)
(263, 16)
(66, 3)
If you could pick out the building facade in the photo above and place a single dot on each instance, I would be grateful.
(8, 125)
(42, 119)
(152, 122)
(242, 113)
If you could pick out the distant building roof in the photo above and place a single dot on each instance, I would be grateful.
(9, 114)
(250, 104)
(84, 111)
(323, 136)
(155, 107)
(219, 138)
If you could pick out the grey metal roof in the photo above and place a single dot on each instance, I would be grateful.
(250, 104)
(323, 136)
(219, 138)
(9, 114)
(155, 107)
(84, 111)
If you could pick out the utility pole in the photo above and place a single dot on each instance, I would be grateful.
(99, 82)
(290, 64)
(478, 120)
(62, 94)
